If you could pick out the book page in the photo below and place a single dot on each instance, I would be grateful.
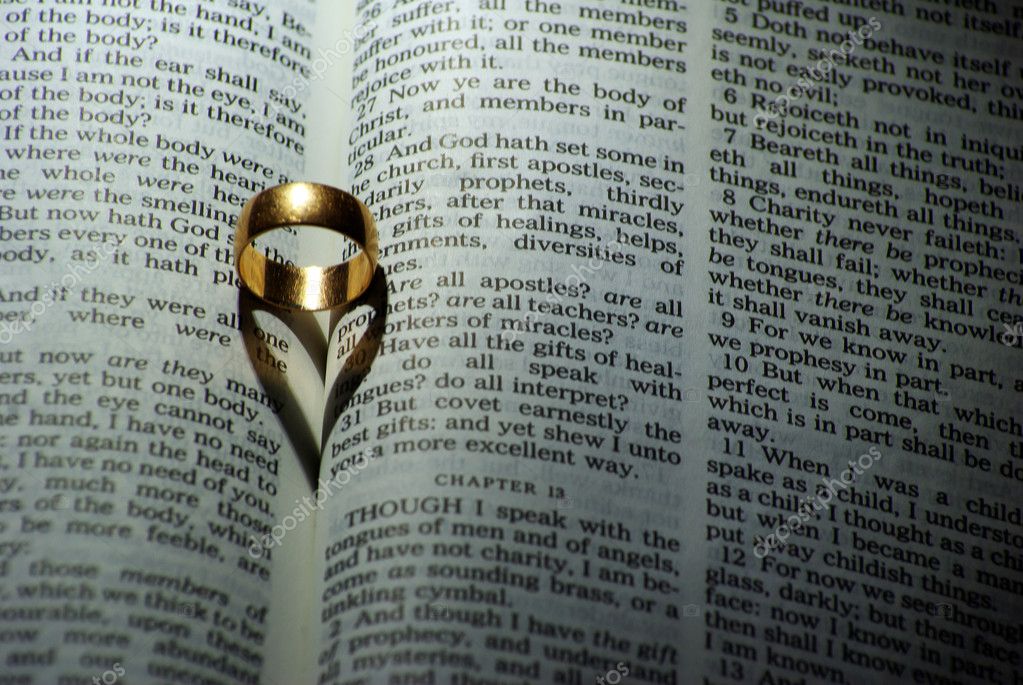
(141, 458)
(698, 366)
(864, 266)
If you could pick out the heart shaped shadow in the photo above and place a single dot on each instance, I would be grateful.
(359, 359)
(305, 328)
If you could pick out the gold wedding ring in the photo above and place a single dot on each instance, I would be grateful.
(310, 288)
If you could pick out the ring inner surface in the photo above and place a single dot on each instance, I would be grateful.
(285, 278)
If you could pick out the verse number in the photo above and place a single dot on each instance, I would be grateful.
(736, 447)
(366, 107)
(362, 166)
(733, 555)
(349, 420)
(736, 363)
(730, 668)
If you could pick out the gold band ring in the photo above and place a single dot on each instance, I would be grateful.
(311, 288)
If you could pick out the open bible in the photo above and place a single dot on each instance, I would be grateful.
(694, 353)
